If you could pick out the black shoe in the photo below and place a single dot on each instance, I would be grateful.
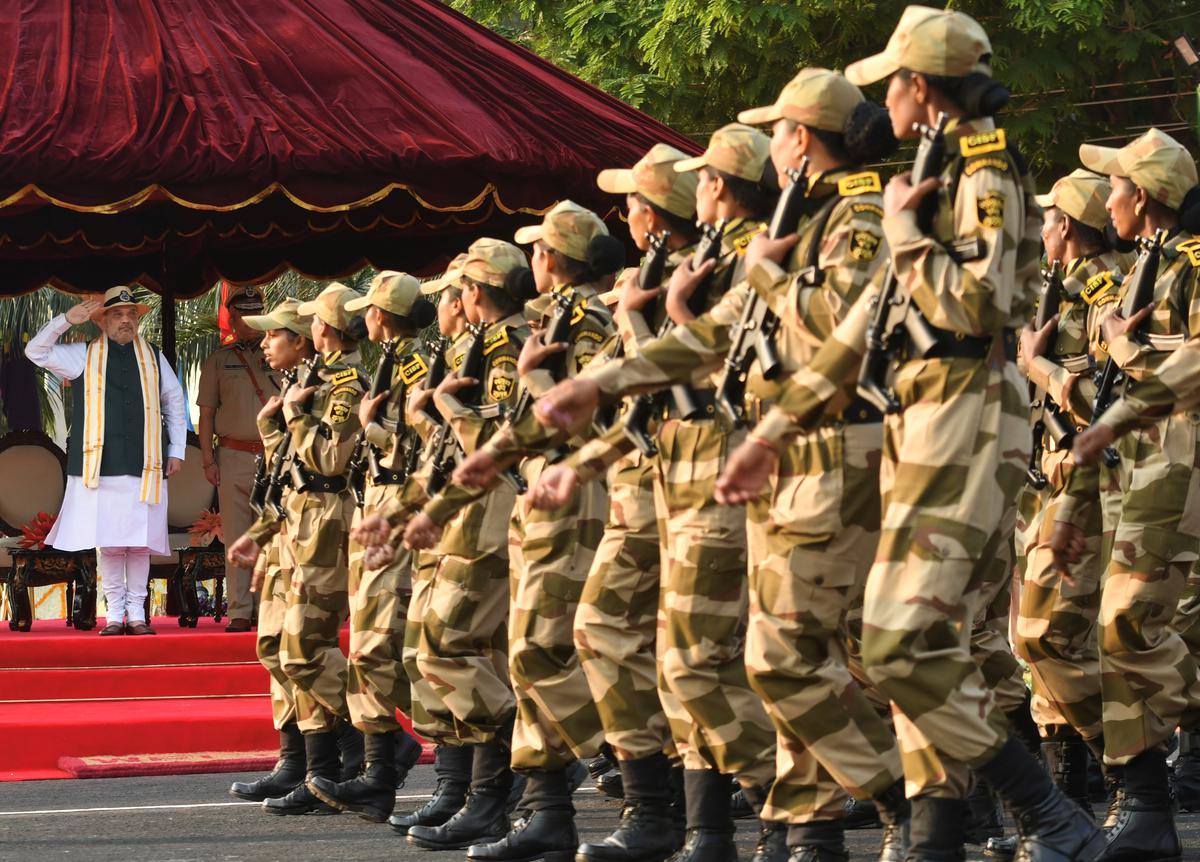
(937, 829)
(861, 814)
(739, 806)
(611, 784)
(895, 813)
(481, 820)
(1143, 833)
(288, 772)
(1001, 848)
(350, 748)
(603, 763)
(452, 764)
(546, 834)
(706, 845)
(321, 757)
(372, 795)
(819, 841)
(408, 752)
(710, 829)
(985, 816)
(1187, 772)
(648, 830)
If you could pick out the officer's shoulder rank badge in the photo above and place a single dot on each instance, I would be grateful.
(1097, 286)
(864, 245)
(990, 210)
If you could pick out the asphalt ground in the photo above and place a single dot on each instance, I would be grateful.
(192, 817)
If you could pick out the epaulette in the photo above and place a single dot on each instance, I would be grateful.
(982, 142)
(1098, 286)
(1192, 249)
(859, 184)
(346, 375)
(413, 370)
(861, 208)
(578, 312)
(743, 242)
(495, 341)
(978, 163)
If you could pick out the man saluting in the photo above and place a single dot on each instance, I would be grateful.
(127, 408)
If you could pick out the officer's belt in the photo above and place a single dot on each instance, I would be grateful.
(956, 345)
(704, 399)
(305, 482)
(252, 446)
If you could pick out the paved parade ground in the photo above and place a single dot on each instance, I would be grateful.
(190, 817)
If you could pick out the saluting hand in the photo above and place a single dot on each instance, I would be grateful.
(83, 312)
(570, 404)
(554, 488)
(900, 194)
(477, 470)
(746, 472)
(421, 534)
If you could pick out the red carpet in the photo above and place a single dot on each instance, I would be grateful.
(74, 704)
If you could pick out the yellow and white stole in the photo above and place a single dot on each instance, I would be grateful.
(94, 370)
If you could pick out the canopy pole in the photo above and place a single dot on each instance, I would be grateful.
(167, 315)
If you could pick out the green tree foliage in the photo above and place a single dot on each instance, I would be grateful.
(1095, 70)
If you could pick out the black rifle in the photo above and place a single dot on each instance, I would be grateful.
(890, 308)
(1047, 417)
(356, 469)
(556, 331)
(277, 476)
(636, 424)
(258, 488)
(753, 339)
(437, 373)
(1138, 296)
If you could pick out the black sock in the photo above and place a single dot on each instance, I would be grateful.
(1017, 776)
(1146, 778)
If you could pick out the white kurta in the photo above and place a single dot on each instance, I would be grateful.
(110, 516)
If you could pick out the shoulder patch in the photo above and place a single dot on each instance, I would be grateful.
(495, 341)
(859, 184)
(867, 208)
(339, 412)
(982, 142)
(578, 311)
(1097, 286)
(344, 390)
(348, 375)
(743, 242)
(1104, 300)
(502, 361)
(500, 387)
(413, 370)
(1192, 249)
(864, 245)
(457, 361)
(995, 163)
(588, 335)
(989, 209)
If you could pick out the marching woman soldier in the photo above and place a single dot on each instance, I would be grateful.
(376, 685)
(286, 344)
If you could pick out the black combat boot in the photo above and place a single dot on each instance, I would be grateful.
(819, 841)
(605, 772)
(546, 832)
(709, 835)
(1051, 827)
(482, 818)
(861, 814)
(1114, 786)
(372, 795)
(937, 829)
(1066, 757)
(351, 749)
(772, 843)
(288, 772)
(678, 797)
(1187, 771)
(985, 816)
(452, 765)
(895, 813)
(408, 752)
(1001, 848)
(648, 831)
(1145, 829)
(321, 759)
(1020, 720)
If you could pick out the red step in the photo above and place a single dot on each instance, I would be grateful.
(108, 683)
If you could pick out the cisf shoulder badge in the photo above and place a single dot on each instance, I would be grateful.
(990, 210)
(500, 387)
(864, 245)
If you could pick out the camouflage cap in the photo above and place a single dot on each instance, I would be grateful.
(392, 291)
(819, 98)
(330, 306)
(1081, 195)
(489, 261)
(439, 283)
(735, 149)
(655, 179)
(246, 298)
(929, 41)
(1155, 162)
(566, 228)
(285, 315)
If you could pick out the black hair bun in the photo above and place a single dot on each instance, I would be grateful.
(605, 255)
(982, 96)
(1189, 210)
(867, 133)
(422, 313)
(519, 284)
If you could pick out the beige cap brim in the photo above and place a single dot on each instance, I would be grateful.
(528, 235)
(693, 164)
(307, 309)
(1102, 160)
(262, 322)
(617, 181)
(871, 69)
(357, 304)
(760, 116)
(1044, 201)
(142, 310)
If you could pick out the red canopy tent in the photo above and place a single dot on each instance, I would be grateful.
(175, 142)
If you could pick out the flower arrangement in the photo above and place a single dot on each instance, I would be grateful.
(206, 528)
(33, 534)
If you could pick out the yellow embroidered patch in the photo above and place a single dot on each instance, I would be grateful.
(495, 341)
(339, 413)
(582, 360)
(500, 387)
(457, 361)
(859, 184)
(413, 370)
(588, 335)
(864, 245)
(867, 208)
(982, 142)
(579, 311)
(1103, 301)
(1097, 286)
(990, 210)
(743, 242)
(348, 375)
(1192, 249)
(996, 163)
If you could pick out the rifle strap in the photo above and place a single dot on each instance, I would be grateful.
(262, 399)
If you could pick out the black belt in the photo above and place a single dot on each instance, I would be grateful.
(305, 482)
(705, 401)
(860, 412)
(387, 477)
(956, 345)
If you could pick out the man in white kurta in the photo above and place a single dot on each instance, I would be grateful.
(126, 398)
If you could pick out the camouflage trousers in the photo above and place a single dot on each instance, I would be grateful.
(272, 606)
(376, 685)
(551, 554)
(421, 692)
(811, 545)
(717, 721)
(954, 460)
(317, 605)
(1056, 626)
(1148, 675)
(991, 645)
(616, 623)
